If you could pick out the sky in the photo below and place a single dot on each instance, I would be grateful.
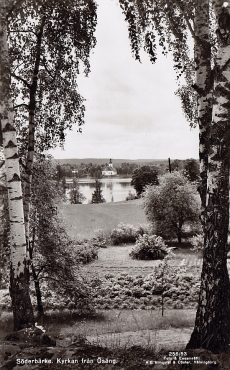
(131, 108)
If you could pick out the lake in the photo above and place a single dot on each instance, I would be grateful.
(113, 189)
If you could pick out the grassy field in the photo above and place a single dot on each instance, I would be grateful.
(122, 328)
(81, 220)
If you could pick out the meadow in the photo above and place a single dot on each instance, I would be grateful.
(126, 311)
(81, 220)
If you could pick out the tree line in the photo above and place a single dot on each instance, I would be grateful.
(191, 166)
(92, 170)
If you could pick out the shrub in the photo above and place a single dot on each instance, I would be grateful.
(131, 196)
(100, 239)
(149, 247)
(124, 233)
(197, 242)
(86, 253)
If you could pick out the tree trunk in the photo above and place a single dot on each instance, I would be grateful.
(31, 132)
(35, 278)
(19, 272)
(38, 292)
(3, 199)
(204, 89)
(212, 325)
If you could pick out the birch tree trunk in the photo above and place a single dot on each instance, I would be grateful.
(3, 199)
(31, 133)
(212, 325)
(204, 88)
(19, 271)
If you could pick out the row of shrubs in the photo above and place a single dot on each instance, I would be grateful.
(178, 289)
(127, 233)
(146, 247)
(122, 234)
(86, 250)
(125, 291)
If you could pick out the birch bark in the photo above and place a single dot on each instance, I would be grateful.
(31, 134)
(3, 191)
(212, 325)
(19, 272)
(204, 88)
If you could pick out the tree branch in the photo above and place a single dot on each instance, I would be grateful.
(21, 79)
(186, 19)
(21, 105)
(47, 70)
(22, 31)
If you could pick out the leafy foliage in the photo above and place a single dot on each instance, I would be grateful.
(131, 196)
(126, 233)
(191, 170)
(165, 23)
(172, 204)
(143, 176)
(85, 252)
(52, 252)
(144, 292)
(123, 233)
(49, 41)
(197, 242)
(149, 247)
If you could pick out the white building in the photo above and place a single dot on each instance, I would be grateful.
(109, 170)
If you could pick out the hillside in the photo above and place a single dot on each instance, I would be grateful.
(81, 220)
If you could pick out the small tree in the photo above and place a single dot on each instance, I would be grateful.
(76, 197)
(143, 176)
(97, 196)
(52, 252)
(192, 170)
(171, 205)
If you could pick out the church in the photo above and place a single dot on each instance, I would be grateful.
(109, 170)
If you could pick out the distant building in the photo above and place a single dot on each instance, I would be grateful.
(109, 170)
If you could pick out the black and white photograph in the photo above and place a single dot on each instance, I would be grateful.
(114, 184)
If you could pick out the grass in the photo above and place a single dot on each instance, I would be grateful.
(112, 328)
(118, 327)
(81, 220)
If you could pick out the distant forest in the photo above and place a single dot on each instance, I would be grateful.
(72, 167)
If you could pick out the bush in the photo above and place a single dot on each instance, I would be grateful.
(124, 233)
(131, 196)
(101, 238)
(149, 247)
(197, 242)
(86, 253)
